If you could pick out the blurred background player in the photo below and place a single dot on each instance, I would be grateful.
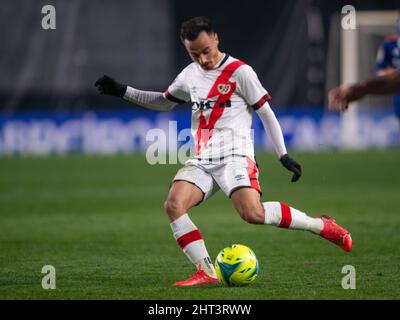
(387, 66)
(388, 61)
(225, 92)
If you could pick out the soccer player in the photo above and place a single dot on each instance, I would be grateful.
(225, 92)
(386, 82)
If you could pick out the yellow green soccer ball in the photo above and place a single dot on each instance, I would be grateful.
(236, 265)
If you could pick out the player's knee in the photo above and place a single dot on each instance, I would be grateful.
(174, 207)
(253, 215)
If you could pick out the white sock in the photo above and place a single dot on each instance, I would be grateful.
(283, 216)
(191, 242)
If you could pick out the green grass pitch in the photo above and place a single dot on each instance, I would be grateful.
(100, 222)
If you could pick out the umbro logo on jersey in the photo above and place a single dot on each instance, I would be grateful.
(223, 88)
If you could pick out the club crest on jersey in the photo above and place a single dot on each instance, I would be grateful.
(223, 88)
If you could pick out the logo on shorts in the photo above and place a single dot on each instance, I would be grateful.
(240, 177)
(223, 88)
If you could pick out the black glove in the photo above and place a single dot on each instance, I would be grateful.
(107, 85)
(291, 165)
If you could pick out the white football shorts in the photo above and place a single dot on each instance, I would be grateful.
(229, 174)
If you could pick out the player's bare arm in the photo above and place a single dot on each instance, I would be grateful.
(340, 97)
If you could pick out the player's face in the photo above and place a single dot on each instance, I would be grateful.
(204, 50)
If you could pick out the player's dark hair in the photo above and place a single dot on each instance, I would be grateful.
(191, 28)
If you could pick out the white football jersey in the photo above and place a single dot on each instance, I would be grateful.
(223, 100)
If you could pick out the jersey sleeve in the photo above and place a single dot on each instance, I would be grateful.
(250, 88)
(178, 91)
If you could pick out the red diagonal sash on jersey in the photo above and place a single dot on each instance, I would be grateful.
(205, 129)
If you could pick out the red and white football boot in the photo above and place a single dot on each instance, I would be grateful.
(335, 233)
(199, 278)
